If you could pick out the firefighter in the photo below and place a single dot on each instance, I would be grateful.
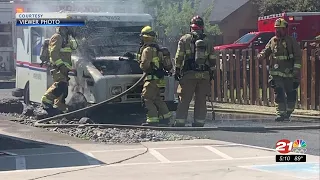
(60, 49)
(194, 61)
(285, 55)
(154, 61)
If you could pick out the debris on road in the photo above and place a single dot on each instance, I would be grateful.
(30, 114)
(116, 135)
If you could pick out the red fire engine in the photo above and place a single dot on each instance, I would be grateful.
(302, 26)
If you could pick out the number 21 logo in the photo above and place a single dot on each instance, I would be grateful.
(284, 146)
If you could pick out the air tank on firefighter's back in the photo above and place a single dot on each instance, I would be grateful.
(200, 47)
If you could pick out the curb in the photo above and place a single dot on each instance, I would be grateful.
(215, 128)
(7, 84)
(258, 113)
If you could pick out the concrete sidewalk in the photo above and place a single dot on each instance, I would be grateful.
(70, 158)
(257, 109)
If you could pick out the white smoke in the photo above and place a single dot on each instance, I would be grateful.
(112, 6)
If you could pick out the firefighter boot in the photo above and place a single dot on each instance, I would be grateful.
(150, 124)
(51, 111)
(179, 123)
(280, 118)
(287, 117)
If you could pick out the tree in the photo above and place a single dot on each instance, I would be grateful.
(174, 16)
(267, 7)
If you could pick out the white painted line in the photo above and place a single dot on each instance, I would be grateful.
(91, 159)
(20, 163)
(256, 147)
(192, 161)
(217, 152)
(119, 150)
(158, 156)
(145, 163)
(11, 154)
(165, 148)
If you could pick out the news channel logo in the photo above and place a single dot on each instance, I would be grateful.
(285, 146)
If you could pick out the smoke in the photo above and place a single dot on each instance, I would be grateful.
(112, 6)
(114, 44)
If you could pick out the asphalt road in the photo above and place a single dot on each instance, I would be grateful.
(265, 139)
(262, 139)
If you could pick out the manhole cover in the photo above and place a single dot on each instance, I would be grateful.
(7, 143)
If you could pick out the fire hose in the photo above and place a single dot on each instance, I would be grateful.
(43, 122)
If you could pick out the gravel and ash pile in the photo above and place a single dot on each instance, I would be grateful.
(97, 134)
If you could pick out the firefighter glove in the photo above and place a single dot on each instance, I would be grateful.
(130, 55)
(260, 57)
(64, 70)
(271, 82)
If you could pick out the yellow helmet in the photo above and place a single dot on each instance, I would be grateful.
(280, 23)
(147, 32)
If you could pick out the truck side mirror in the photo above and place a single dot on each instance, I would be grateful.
(256, 43)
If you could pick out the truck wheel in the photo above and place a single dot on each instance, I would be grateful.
(26, 93)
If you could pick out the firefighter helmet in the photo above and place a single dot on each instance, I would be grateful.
(280, 23)
(147, 32)
(196, 23)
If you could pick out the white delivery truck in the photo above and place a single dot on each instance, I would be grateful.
(99, 74)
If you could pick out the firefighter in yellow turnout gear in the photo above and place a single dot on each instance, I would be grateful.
(194, 61)
(285, 56)
(154, 61)
(60, 49)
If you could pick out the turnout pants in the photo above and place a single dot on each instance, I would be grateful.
(285, 96)
(156, 108)
(193, 85)
(56, 94)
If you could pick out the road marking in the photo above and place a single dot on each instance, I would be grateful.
(256, 147)
(165, 148)
(193, 161)
(20, 163)
(158, 156)
(136, 164)
(91, 159)
(8, 153)
(217, 152)
(132, 149)
(251, 167)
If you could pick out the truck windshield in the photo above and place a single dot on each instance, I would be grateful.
(245, 39)
(109, 38)
(116, 67)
